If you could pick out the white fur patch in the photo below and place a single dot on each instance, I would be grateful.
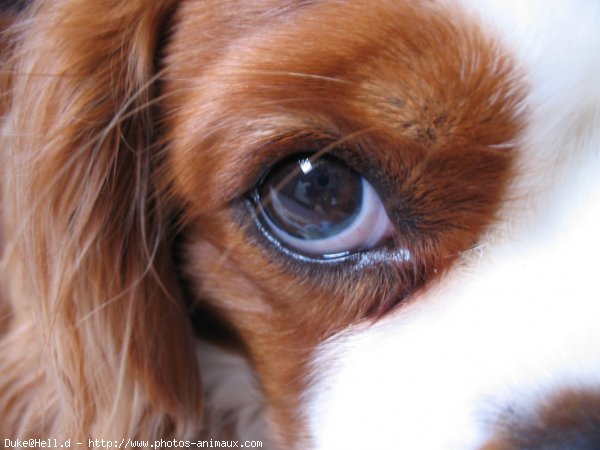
(520, 317)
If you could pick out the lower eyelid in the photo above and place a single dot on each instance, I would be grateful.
(372, 226)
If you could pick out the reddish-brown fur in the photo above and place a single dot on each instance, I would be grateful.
(431, 147)
(135, 122)
(87, 257)
(570, 419)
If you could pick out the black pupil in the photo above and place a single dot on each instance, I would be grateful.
(322, 180)
(311, 199)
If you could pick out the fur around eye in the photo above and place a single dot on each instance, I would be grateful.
(321, 208)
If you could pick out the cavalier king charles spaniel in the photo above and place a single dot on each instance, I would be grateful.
(302, 224)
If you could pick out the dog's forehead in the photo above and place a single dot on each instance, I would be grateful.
(409, 76)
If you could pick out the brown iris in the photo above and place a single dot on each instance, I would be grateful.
(311, 199)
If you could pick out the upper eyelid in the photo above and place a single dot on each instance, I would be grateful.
(279, 149)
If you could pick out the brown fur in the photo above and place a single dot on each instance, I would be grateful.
(570, 419)
(116, 143)
(432, 144)
(87, 256)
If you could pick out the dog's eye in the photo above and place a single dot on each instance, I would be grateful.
(321, 207)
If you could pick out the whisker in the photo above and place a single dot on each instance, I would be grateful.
(264, 203)
(307, 76)
(42, 74)
(241, 73)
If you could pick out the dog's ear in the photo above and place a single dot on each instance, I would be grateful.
(92, 282)
(8, 16)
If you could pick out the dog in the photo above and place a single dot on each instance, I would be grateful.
(316, 224)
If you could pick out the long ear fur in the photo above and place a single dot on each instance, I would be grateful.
(99, 345)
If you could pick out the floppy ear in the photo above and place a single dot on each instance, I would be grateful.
(100, 344)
